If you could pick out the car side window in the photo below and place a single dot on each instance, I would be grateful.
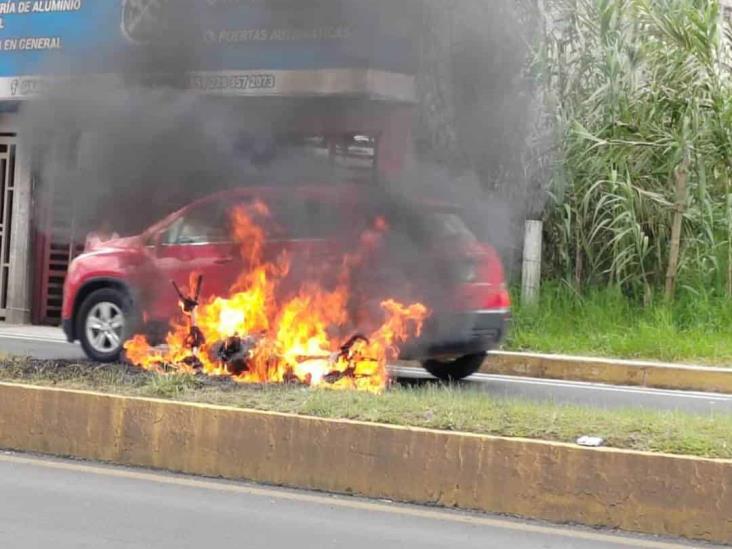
(202, 225)
(308, 219)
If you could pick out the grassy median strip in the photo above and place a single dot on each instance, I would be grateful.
(431, 405)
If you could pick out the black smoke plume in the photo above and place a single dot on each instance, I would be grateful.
(136, 147)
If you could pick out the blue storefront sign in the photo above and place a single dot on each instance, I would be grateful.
(232, 47)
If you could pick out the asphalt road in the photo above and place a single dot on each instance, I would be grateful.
(39, 348)
(589, 394)
(65, 505)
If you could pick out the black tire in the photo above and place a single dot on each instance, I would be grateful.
(454, 370)
(111, 346)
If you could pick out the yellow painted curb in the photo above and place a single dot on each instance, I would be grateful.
(613, 372)
(651, 493)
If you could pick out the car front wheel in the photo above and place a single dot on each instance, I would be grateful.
(454, 370)
(103, 324)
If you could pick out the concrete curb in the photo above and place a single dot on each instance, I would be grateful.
(651, 493)
(612, 372)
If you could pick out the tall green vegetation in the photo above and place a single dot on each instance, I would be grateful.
(693, 329)
(642, 193)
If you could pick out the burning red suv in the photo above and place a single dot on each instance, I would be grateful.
(124, 288)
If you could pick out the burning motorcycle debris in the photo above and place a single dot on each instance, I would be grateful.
(261, 334)
(195, 338)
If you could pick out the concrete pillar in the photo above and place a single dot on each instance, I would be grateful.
(531, 271)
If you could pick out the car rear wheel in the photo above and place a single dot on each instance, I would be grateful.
(103, 324)
(454, 370)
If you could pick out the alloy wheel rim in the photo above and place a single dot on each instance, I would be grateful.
(104, 326)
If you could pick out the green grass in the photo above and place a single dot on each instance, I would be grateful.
(431, 405)
(694, 329)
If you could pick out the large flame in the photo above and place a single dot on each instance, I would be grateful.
(302, 337)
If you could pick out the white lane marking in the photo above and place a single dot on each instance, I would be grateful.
(415, 372)
(34, 338)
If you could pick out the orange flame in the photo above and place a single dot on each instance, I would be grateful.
(293, 339)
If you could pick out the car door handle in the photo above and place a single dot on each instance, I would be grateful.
(224, 260)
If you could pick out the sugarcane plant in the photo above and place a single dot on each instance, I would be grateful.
(641, 192)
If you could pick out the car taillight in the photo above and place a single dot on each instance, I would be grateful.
(499, 298)
(491, 275)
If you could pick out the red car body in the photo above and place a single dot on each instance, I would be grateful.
(141, 269)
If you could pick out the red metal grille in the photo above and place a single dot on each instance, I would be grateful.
(58, 241)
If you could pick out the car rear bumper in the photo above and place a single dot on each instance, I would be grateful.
(454, 335)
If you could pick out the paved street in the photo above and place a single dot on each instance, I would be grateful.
(71, 505)
(48, 343)
(40, 349)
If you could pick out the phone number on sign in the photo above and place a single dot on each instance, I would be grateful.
(236, 82)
